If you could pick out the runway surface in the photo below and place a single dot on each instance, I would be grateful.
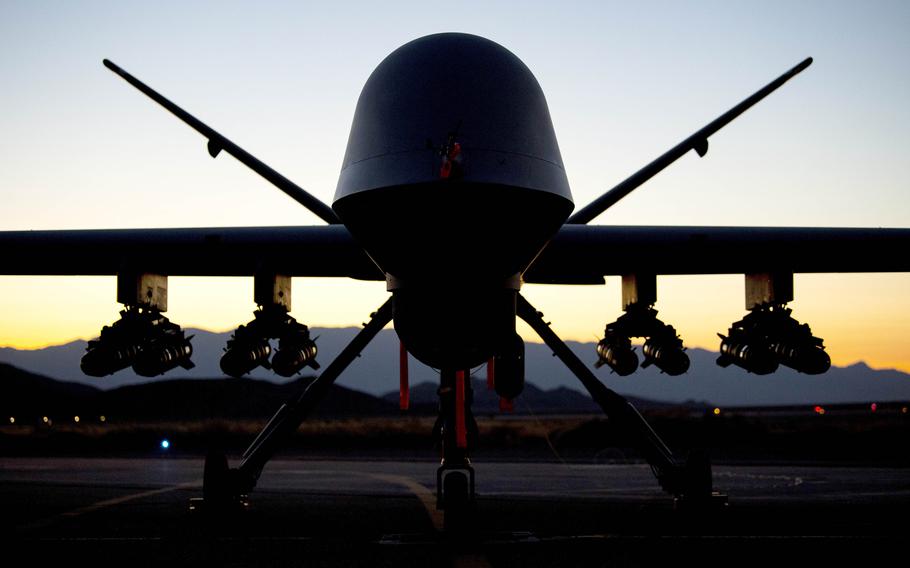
(382, 513)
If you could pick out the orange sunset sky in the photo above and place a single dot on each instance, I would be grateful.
(80, 149)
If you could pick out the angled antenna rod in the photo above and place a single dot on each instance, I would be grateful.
(697, 142)
(217, 143)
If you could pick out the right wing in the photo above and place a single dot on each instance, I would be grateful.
(584, 254)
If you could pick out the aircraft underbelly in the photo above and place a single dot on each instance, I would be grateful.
(453, 231)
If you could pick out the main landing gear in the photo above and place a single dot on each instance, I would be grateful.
(689, 481)
(225, 488)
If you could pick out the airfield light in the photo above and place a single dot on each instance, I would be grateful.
(820, 410)
(45, 419)
(103, 418)
(904, 410)
(873, 407)
(76, 419)
(716, 412)
(12, 419)
(165, 444)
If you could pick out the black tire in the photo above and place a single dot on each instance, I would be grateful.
(698, 477)
(216, 480)
(456, 502)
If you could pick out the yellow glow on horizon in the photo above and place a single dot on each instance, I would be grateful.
(861, 317)
(42, 311)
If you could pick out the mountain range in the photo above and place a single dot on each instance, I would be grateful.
(376, 373)
(29, 396)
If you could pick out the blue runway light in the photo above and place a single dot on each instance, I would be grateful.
(165, 444)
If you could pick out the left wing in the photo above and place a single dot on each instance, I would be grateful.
(232, 251)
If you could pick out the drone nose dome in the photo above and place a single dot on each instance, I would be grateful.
(452, 163)
(448, 89)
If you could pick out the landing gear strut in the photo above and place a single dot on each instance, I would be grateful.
(456, 431)
(224, 487)
(687, 481)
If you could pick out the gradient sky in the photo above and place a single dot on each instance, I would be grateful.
(79, 148)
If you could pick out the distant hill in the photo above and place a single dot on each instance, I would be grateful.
(26, 395)
(30, 397)
(533, 400)
(376, 373)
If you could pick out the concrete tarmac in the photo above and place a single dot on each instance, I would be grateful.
(382, 513)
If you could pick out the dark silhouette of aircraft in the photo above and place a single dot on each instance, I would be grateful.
(453, 191)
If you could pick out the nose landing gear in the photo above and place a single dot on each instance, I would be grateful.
(457, 433)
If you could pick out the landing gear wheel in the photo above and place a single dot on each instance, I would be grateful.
(456, 502)
(697, 476)
(216, 480)
(222, 488)
(698, 494)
